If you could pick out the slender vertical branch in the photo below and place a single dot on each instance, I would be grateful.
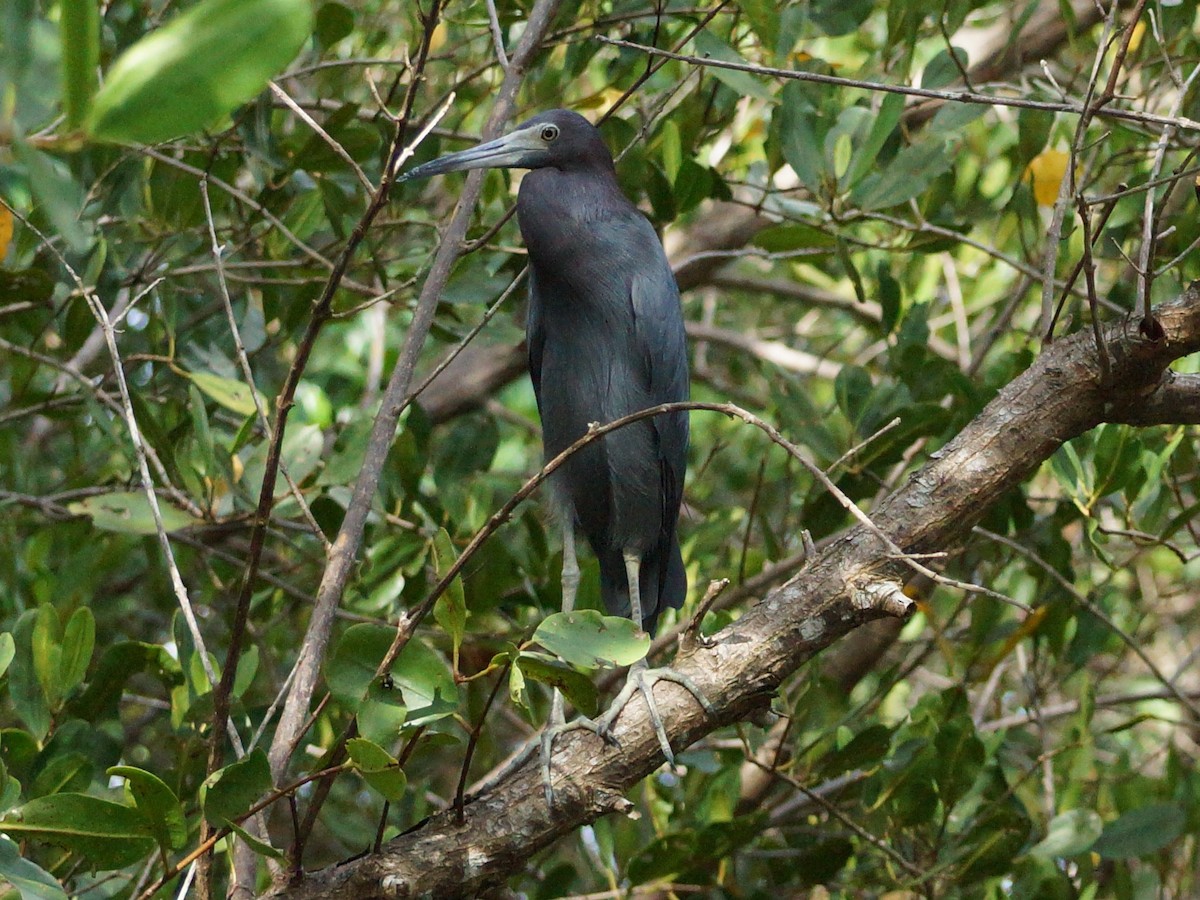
(349, 538)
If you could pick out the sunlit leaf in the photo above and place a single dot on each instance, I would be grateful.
(591, 640)
(1069, 833)
(129, 512)
(1046, 172)
(233, 395)
(195, 69)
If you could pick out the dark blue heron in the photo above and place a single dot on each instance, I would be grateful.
(605, 338)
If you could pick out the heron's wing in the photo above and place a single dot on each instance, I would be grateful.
(658, 328)
(535, 337)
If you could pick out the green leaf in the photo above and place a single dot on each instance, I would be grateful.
(742, 83)
(129, 513)
(1033, 133)
(864, 750)
(246, 670)
(31, 881)
(47, 654)
(837, 17)
(378, 768)
(382, 715)
(424, 680)
(590, 640)
(257, 844)
(301, 453)
(516, 688)
(942, 70)
(60, 197)
(8, 649)
(79, 28)
(67, 771)
(118, 663)
(960, 758)
(801, 136)
(109, 835)
(672, 150)
(158, 805)
(23, 685)
(228, 793)
(193, 71)
(866, 157)
(450, 611)
(79, 639)
(783, 238)
(905, 177)
(575, 686)
(1141, 831)
(230, 393)
(334, 22)
(1069, 833)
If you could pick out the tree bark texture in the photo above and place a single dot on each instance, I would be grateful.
(852, 581)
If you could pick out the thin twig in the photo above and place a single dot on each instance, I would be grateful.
(1126, 115)
(324, 135)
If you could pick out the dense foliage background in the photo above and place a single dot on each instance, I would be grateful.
(849, 256)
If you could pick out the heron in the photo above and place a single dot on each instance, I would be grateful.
(605, 339)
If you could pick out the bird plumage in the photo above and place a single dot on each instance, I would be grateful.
(606, 339)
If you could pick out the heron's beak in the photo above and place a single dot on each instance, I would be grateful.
(518, 149)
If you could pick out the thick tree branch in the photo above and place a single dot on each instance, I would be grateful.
(850, 582)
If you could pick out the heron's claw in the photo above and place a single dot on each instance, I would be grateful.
(554, 730)
(642, 679)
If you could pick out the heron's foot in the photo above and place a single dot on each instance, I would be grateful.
(555, 729)
(642, 679)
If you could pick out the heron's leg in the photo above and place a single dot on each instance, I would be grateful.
(558, 724)
(642, 678)
(570, 587)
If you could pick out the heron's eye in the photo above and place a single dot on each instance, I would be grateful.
(549, 133)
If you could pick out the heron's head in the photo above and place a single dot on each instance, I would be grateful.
(558, 138)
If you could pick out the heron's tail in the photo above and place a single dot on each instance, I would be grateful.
(663, 582)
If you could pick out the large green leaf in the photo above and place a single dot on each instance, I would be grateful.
(108, 835)
(591, 640)
(194, 70)
(450, 610)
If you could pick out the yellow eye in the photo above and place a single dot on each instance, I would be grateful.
(549, 133)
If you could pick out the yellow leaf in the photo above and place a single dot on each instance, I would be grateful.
(6, 231)
(437, 40)
(1046, 171)
(1135, 39)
